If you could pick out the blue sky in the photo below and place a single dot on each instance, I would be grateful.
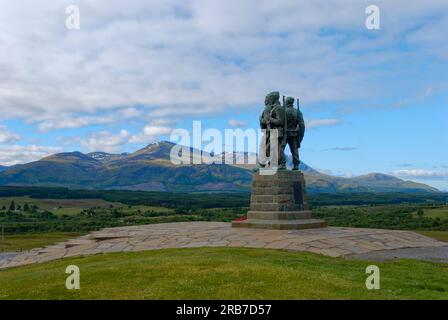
(374, 100)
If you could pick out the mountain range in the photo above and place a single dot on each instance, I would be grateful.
(150, 169)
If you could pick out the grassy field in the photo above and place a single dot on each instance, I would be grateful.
(224, 273)
(75, 206)
(438, 235)
(441, 213)
(23, 242)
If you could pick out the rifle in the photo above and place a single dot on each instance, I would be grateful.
(285, 125)
(302, 130)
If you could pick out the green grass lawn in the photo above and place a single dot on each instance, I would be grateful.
(224, 273)
(438, 235)
(21, 242)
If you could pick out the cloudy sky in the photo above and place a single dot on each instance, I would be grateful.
(374, 100)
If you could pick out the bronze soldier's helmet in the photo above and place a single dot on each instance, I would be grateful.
(289, 102)
(271, 98)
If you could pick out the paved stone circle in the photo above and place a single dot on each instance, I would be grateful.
(331, 241)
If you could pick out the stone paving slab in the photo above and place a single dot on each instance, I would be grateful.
(435, 254)
(331, 241)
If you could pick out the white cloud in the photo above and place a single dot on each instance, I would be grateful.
(422, 174)
(237, 123)
(72, 121)
(7, 136)
(129, 113)
(176, 57)
(15, 154)
(151, 133)
(322, 123)
(106, 141)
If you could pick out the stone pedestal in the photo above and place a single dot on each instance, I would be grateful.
(278, 201)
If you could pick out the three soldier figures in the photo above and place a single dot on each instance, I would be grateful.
(289, 124)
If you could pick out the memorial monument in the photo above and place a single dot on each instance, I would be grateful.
(278, 197)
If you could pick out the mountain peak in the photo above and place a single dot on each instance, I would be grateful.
(74, 155)
(378, 177)
(100, 155)
(159, 143)
(154, 150)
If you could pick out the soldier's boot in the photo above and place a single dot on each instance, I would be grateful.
(281, 155)
(296, 167)
(282, 163)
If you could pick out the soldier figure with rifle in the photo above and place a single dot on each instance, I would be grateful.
(278, 121)
(289, 124)
(295, 130)
(271, 101)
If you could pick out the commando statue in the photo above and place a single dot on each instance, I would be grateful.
(289, 124)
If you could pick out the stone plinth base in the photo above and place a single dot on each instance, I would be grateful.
(279, 202)
(280, 224)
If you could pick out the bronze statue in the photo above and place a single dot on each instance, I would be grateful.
(292, 138)
(278, 121)
(271, 101)
(289, 124)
